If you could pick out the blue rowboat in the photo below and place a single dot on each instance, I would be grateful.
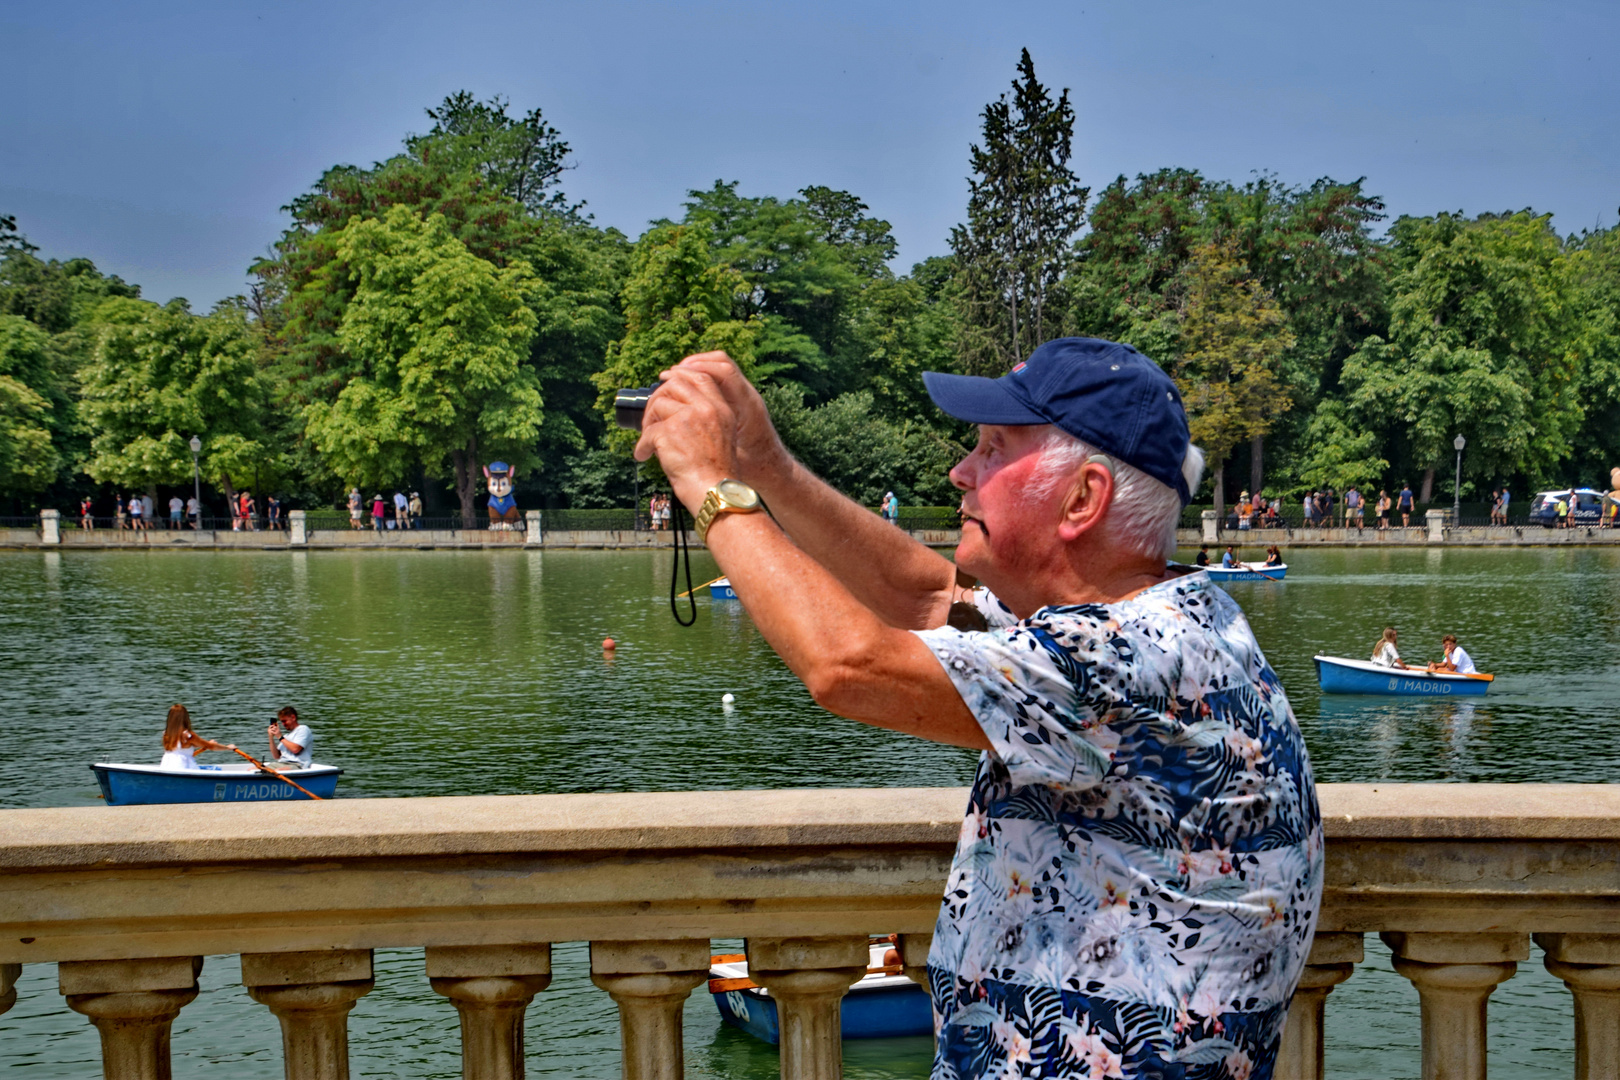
(1247, 572)
(134, 785)
(1340, 676)
(722, 590)
(882, 1005)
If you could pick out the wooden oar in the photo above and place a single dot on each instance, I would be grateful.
(267, 769)
(1433, 670)
(705, 585)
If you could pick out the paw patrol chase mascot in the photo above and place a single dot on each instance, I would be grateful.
(503, 511)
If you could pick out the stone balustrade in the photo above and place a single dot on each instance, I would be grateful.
(1455, 878)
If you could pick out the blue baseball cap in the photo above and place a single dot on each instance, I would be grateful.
(1107, 395)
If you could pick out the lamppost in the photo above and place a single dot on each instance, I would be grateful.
(1456, 489)
(196, 481)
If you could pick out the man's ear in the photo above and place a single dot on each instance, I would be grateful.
(1089, 497)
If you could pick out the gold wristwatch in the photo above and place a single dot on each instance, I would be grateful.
(727, 497)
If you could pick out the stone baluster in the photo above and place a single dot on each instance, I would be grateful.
(1333, 959)
(9, 974)
(133, 1004)
(913, 950)
(311, 993)
(50, 527)
(650, 981)
(297, 528)
(1454, 975)
(532, 534)
(491, 987)
(1589, 964)
(808, 977)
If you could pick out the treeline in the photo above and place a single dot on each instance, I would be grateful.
(452, 306)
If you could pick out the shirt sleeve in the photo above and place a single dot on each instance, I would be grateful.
(1019, 684)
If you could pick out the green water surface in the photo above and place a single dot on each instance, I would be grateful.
(452, 673)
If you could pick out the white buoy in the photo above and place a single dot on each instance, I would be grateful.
(726, 699)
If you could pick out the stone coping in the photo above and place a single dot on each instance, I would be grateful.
(102, 837)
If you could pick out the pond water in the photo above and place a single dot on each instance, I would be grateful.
(481, 673)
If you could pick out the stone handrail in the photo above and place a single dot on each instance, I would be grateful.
(1455, 877)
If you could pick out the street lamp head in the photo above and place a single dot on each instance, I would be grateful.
(1459, 442)
(196, 445)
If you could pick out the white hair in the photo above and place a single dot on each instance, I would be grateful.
(1144, 512)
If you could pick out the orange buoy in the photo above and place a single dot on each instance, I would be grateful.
(608, 645)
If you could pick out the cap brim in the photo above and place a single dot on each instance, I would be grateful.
(978, 400)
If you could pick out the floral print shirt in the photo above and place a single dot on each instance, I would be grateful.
(1137, 880)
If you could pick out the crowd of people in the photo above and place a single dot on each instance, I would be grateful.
(658, 511)
(400, 512)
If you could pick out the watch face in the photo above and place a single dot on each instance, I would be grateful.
(738, 494)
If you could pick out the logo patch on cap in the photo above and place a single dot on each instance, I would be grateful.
(1020, 366)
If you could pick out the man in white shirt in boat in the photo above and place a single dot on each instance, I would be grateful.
(1457, 658)
(291, 743)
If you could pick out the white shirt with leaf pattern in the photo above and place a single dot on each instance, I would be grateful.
(1137, 881)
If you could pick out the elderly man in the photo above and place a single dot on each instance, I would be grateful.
(1136, 884)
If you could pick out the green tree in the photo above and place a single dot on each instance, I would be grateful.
(29, 458)
(1340, 453)
(435, 341)
(158, 376)
(1481, 343)
(678, 301)
(1024, 208)
(1595, 265)
(1234, 337)
(523, 157)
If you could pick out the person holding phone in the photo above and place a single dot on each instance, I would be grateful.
(291, 743)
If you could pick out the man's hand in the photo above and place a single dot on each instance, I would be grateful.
(760, 458)
(271, 731)
(690, 427)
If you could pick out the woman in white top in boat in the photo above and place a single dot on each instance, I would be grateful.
(1457, 658)
(1384, 654)
(181, 744)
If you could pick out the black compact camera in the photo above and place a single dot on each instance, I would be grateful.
(629, 406)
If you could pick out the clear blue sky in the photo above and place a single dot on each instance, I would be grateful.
(160, 139)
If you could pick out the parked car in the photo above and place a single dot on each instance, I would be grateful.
(1585, 507)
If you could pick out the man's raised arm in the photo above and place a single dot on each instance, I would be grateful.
(905, 583)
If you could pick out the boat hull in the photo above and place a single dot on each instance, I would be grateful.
(722, 590)
(886, 1013)
(145, 785)
(1337, 676)
(1220, 574)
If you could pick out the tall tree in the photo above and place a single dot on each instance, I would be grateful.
(1481, 343)
(29, 458)
(1235, 335)
(436, 340)
(160, 375)
(1024, 208)
(522, 157)
(678, 301)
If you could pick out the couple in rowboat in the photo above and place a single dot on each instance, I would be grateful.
(1457, 659)
(291, 743)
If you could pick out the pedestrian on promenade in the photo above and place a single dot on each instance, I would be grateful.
(1245, 512)
(149, 510)
(273, 509)
(181, 744)
(250, 512)
(664, 506)
(356, 511)
(292, 744)
(177, 507)
(119, 521)
(415, 509)
(1406, 504)
(1138, 872)
(1353, 508)
(137, 513)
(194, 512)
(402, 511)
(379, 512)
(1383, 509)
(87, 516)
(1507, 500)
